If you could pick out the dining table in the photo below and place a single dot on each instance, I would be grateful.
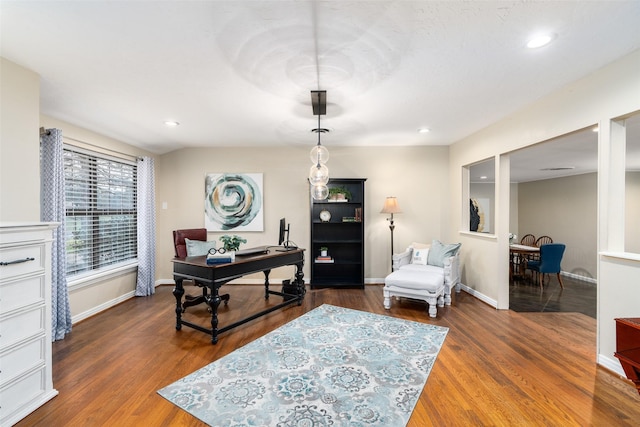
(518, 254)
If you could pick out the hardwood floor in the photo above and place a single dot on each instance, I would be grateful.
(577, 296)
(497, 367)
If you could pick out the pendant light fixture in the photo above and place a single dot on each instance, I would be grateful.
(319, 173)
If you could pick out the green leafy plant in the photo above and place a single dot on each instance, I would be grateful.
(334, 191)
(232, 243)
(324, 248)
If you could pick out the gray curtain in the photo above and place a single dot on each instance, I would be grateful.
(53, 210)
(146, 228)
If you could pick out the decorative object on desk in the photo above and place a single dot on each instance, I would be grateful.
(232, 243)
(390, 207)
(233, 201)
(512, 238)
(306, 373)
(319, 173)
(339, 194)
(325, 215)
(220, 256)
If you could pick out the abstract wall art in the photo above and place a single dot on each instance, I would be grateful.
(233, 201)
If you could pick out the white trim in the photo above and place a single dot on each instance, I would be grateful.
(493, 303)
(161, 282)
(101, 275)
(611, 364)
(591, 280)
(102, 307)
(622, 255)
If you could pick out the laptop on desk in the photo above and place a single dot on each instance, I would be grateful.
(253, 251)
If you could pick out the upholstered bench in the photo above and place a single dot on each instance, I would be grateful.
(424, 272)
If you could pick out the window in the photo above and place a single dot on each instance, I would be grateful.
(100, 211)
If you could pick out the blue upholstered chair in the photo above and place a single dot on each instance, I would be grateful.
(550, 259)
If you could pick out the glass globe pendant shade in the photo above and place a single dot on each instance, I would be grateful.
(319, 174)
(319, 154)
(319, 192)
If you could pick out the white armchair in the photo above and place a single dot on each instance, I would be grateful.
(424, 272)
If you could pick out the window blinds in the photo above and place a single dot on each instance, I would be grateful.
(100, 205)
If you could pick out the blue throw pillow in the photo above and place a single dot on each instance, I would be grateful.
(198, 247)
(439, 252)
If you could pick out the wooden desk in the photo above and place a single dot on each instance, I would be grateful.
(628, 348)
(519, 252)
(214, 276)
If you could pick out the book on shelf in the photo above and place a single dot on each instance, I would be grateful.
(349, 219)
(324, 259)
(337, 200)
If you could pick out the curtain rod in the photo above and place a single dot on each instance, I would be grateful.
(43, 131)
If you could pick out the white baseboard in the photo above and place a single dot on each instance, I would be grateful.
(493, 303)
(102, 307)
(591, 280)
(611, 364)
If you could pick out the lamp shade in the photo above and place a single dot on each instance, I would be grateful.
(391, 206)
(319, 154)
(319, 174)
(319, 192)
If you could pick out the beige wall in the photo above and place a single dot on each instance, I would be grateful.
(413, 174)
(19, 143)
(566, 210)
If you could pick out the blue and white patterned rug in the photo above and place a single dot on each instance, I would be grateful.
(332, 366)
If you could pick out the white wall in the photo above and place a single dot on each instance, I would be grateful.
(596, 99)
(413, 174)
(19, 143)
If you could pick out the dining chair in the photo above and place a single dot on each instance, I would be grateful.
(528, 240)
(550, 259)
(519, 259)
(542, 240)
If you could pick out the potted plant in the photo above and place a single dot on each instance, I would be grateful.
(339, 193)
(323, 251)
(232, 243)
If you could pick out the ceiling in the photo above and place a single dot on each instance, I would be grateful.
(239, 73)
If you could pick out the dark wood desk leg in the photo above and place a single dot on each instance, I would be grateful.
(178, 291)
(266, 283)
(300, 282)
(214, 302)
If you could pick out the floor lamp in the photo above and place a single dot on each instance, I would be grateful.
(391, 207)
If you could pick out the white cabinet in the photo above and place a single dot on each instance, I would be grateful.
(25, 319)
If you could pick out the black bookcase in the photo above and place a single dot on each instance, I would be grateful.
(341, 231)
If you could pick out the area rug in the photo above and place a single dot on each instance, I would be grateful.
(332, 366)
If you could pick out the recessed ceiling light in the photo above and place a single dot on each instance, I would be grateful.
(424, 130)
(171, 123)
(540, 40)
(483, 177)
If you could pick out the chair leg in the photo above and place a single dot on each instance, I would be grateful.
(560, 280)
(541, 279)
